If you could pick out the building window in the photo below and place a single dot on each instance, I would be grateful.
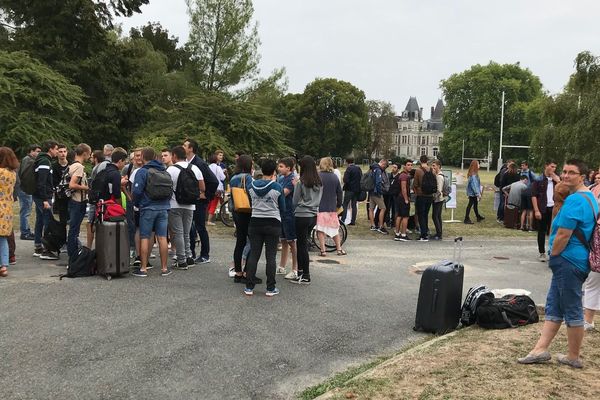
(423, 151)
(404, 139)
(436, 151)
(404, 128)
(423, 141)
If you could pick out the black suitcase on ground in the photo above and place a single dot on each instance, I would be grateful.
(440, 295)
(112, 249)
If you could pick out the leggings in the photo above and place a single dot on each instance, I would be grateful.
(472, 203)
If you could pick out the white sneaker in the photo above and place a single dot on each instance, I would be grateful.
(291, 275)
(588, 327)
(152, 255)
(280, 271)
(231, 272)
(543, 257)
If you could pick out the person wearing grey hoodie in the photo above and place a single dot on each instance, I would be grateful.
(268, 204)
(307, 198)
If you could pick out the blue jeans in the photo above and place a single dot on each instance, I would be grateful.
(564, 296)
(25, 202)
(3, 251)
(155, 221)
(42, 219)
(77, 211)
(199, 226)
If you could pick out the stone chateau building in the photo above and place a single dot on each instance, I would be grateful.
(415, 136)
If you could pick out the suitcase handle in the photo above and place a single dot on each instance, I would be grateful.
(458, 244)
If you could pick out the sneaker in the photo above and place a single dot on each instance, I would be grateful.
(202, 260)
(63, 249)
(280, 271)
(248, 291)
(239, 278)
(409, 231)
(12, 260)
(231, 272)
(468, 222)
(48, 255)
(480, 218)
(167, 272)
(272, 292)
(436, 237)
(588, 327)
(383, 231)
(291, 275)
(423, 239)
(140, 273)
(301, 280)
(149, 266)
(210, 223)
(374, 228)
(397, 237)
(404, 238)
(543, 257)
(38, 251)
(190, 261)
(28, 236)
(152, 255)
(137, 262)
(182, 266)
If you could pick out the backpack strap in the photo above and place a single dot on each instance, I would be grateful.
(578, 233)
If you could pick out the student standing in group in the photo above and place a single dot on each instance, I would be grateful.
(268, 204)
(78, 201)
(473, 192)
(542, 198)
(403, 203)
(351, 186)
(166, 157)
(181, 215)
(153, 214)
(25, 200)
(218, 172)
(391, 196)
(42, 197)
(61, 201)
(570, 267)
(328, 222)
(425, 184)
(288, 227)
(8, 178)
(382, 185)
(438, 199)
(107, 151)
(307, 198)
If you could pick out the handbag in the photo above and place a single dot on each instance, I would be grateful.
(241, 201)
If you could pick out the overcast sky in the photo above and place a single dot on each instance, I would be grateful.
(393, 49)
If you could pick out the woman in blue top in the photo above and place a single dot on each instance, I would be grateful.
(243, 173)
(474, 192)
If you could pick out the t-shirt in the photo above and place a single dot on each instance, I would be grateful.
(404, 177)
(174, 172)
(576, 213)
(287, 182)
(76, 169)
(517, 190)
(550, 193)
(218, 171)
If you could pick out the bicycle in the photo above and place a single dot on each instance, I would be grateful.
(329, 242)
(225, 211)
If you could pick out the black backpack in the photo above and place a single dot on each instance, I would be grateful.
(55, 235)
(81, 264)
(367, 182)
(27, 175)
(187, 190)
(475, 295)
(97, 187)
(429, 183)
(159, 185)
(508, 312)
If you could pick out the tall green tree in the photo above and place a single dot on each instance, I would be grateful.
(382, 122)
(223, 43)
(473, 110)
(36, 103)
(329, 118)
(161, 41)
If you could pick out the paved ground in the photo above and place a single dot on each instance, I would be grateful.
(194, 335)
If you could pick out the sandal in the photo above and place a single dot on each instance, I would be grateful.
(323, 254)
(342, 252)
(3, 272)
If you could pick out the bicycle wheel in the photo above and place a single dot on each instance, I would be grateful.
(329, 242)
(225, 214)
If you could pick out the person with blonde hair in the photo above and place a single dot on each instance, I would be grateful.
(331, 199)
(474, 192)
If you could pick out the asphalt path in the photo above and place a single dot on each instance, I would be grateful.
(194, 335)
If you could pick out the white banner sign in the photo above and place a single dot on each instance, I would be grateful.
(451, 203)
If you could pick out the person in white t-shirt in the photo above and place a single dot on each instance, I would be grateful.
(214, 203)
(181, 215)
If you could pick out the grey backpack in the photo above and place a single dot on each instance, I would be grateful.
(159, 185)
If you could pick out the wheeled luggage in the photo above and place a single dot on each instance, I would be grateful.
(112, 249)
(511, 218)
(440, 295)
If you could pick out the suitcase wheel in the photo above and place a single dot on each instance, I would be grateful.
(108, 277)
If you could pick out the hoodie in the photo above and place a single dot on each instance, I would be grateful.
(44, 187)
(307, 200)
(267, 199)
(140, 198)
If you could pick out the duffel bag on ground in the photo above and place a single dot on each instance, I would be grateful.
(509, 311)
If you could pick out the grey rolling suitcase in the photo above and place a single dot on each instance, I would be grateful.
(440, 295)
(112, 249)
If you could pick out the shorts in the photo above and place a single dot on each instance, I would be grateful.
(153, 220)
(402, 209)
(526, 203)
(375, 200)
(563, 302)
(288, 228)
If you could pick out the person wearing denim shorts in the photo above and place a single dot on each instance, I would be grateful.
(153, 215)
(570, 268)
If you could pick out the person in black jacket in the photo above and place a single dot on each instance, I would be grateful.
(42, 197)
(61, 201)
(211, 183)
(351, 188)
